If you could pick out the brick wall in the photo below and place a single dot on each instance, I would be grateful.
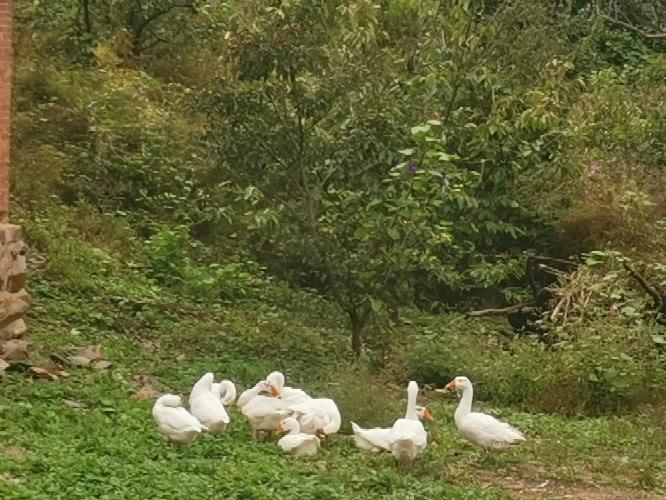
(6, 59)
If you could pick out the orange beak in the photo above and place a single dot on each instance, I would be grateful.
(280, 429)
(451, 386)
(275, 391)
(428, 416)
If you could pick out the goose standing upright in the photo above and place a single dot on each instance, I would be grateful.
(408, 437)
(174, 421)
(207, 406)
(263, 412)
(481, 429)
(376, 439)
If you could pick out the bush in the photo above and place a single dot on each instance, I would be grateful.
(604, 368)
(169, 256)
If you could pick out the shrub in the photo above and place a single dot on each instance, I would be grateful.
(172, 258)
(605, 367)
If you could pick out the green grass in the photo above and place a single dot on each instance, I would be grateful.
(85, 437)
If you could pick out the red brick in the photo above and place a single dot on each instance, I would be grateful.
(6, 60)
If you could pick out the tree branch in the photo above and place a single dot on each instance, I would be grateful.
(141, 26)
(631, 27)
(87, 23)
(649, 289)
(522, 307)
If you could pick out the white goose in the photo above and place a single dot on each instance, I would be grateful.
(481, 429)
(263, 412)
(317, 416)
(174, 421)
(376, 439)
(252, 392)
(226, 391)
(408, 437)
(207, 406)
(289, 395)
(296, 442)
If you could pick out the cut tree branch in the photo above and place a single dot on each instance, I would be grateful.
(522, 307)
(659, 299)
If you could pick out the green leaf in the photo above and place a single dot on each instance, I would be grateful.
(360, 233)
(393, 233)
(420, 129)
(407, 152)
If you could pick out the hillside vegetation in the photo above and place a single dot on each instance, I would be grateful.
(328, 188)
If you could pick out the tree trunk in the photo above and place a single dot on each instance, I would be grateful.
(358, 316)
(87, 22)
(394, 314)
(357, 331)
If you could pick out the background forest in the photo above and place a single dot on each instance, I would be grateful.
(330, 187)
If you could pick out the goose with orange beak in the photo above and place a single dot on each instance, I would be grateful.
(319, 416)
(408, 438)
(263, 412)
(376, 440)
(481, 429)
(290, 395)
(296, 442)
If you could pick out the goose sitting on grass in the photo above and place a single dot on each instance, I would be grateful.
(226, 391)
(174, 421)
(296, 442)
(207, 406)
(481, 429)
(408, 437)
(376, 439)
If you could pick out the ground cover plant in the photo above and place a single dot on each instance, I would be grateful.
(355, 193)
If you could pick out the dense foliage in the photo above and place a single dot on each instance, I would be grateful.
(247, 185)
(377, 154)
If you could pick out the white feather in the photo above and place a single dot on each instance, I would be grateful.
(174, 421)
(207, 406)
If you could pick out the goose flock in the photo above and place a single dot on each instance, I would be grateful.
(304, 421)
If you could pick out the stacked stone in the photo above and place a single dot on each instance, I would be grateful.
(14, 299)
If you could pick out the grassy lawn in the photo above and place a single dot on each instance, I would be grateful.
(84, 436)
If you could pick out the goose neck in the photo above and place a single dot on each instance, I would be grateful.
(465, 404)
(411, 405)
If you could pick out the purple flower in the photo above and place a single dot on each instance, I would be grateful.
(594, 170)
(413, 167)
